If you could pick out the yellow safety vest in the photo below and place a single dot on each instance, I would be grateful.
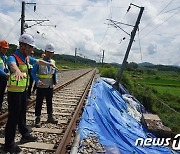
(46, 76)
(30, 66)
(4, 65)
(21, 85)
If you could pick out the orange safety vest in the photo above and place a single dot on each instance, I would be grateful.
(21, 85)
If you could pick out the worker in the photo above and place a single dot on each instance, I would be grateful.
(45, 77)
(3, 69)
(42, 55)
(17, 93)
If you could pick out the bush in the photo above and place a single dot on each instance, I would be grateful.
(140, 71)
(154, 91)
(151, 72)
(107, 65)
(109, 73)
(125, 80)
(157, 78)
(145, 96)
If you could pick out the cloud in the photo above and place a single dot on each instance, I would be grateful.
(82, 24)
(152, 49)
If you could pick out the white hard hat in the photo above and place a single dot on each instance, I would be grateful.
(50, 47)
(28, 39)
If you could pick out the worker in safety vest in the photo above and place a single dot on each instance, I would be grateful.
(3, 69)
(17, 93)
(43, 55)
(45, 77)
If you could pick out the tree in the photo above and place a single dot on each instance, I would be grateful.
(132, 66)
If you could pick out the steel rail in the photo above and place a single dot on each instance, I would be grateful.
(62, 148)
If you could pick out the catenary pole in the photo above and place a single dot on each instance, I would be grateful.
(133, 33)
(22, 17)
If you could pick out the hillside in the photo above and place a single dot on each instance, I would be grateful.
(63, 58)
(57, 57)
(145, 64)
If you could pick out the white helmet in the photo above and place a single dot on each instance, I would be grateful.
(50, 47)
(28, 39)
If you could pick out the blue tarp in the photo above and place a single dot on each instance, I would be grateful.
(105, 117)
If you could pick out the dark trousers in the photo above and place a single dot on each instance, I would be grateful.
(3, 84)
(17, 104)
(41, 93)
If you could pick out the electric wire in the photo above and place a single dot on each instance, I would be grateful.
(105, 34)
(29, 11)
(14, 25)
(53, 30)
(71, 5)
(7, 20)
(156, 15)
(115, 33)
(16, 3)
(139, 45)
(161, 24)
(163, 13)
(12, 29)
(47, 29)
(110, 16)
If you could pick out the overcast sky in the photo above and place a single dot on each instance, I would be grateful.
(82, 24)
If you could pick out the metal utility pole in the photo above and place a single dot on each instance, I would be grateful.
(133, 33)
(102, 57)
(23, 18)
(75, 56)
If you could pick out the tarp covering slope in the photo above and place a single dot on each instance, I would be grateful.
(105, 117)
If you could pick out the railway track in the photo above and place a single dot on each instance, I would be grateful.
(68, 101)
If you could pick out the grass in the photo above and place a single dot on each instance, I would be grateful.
(161, 82)
(166, 89)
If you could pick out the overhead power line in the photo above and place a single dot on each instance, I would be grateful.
(53, 30)
(157, 15)
(176, 8)
(139, 45)
(75, 5)
(9, 21)
(23, 25)
(116, 25)
(113, 35)
(110, 16)
(160, 24)
(30, 12)
(16, 2)
(12, 29)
